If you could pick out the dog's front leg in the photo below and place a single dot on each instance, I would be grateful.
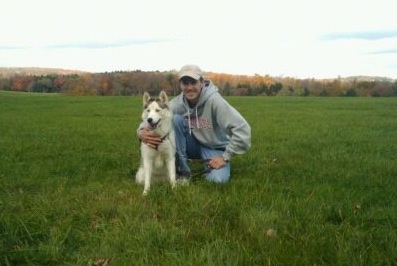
(147, 166)
(171, 170)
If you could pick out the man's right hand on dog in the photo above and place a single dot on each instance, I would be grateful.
(150, 139)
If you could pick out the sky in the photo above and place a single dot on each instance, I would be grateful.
(283, 38)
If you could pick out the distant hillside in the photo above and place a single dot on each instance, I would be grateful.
(36, 71)
(368, 78)
(360, 79)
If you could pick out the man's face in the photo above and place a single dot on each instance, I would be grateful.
(191, 88)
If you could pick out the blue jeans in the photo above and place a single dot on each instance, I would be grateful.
(187, 147)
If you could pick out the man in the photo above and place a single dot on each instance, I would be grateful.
(206, 127)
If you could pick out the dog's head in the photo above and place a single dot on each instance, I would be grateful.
(155, 110)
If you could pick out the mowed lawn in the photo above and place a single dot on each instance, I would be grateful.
(318, 187)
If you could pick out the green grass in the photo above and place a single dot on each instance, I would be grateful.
(321, 172)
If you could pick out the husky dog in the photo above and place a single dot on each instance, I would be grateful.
(157, 164)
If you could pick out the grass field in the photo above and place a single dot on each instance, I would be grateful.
(321, 174)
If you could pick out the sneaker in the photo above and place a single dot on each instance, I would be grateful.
(183, 178)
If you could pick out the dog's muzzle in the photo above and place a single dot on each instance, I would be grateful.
(151, 124)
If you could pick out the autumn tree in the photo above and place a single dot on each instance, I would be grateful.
(21, 82)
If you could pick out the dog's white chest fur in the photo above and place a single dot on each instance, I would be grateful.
(158, 158)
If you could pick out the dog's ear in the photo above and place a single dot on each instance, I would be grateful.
(146, 98)
(163, 97)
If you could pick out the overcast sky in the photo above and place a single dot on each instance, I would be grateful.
(295, 38)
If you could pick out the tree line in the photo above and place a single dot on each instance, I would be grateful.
(136, 82)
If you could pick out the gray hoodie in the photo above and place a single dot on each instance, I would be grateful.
(214, 122)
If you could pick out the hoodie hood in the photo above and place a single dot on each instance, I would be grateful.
(208, 89)
(180, 104)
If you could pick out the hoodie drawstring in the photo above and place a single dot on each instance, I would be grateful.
(191, 127)
(190, 121)
(197, 120)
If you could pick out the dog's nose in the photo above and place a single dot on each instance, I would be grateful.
(150, 120)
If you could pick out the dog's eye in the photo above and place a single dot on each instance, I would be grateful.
(158, 110)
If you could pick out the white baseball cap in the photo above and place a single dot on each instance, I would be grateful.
(192, 71)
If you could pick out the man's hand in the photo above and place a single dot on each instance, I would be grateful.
(147, 136)
(217, 162)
